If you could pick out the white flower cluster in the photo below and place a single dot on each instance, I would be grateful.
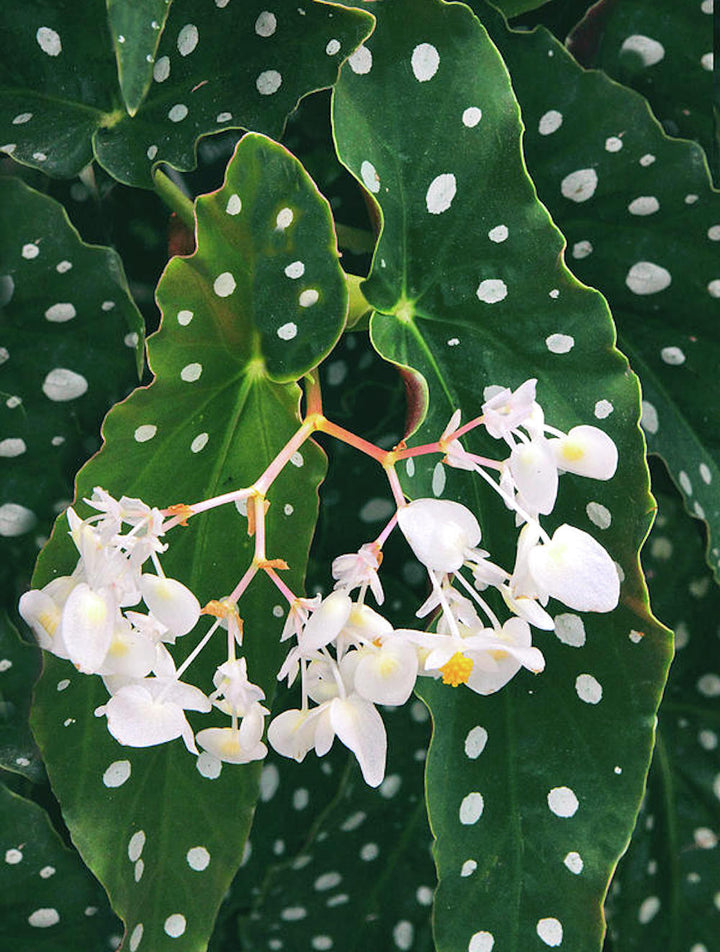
(347, 655)
(85, 618)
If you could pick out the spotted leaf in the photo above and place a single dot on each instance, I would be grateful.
(341, 866)
(662, 49)
(49, 899)
(19, 667)
(643, 225)
(136, 31)
(532, 792)
(243, 66)
(212, 421)
(71, 346)
(666, 886)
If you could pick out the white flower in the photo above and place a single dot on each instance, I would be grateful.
(151, 711)
(342, 713)
(171, 602)
(440, 532)
(506, 410)
(42, 610)
(483, 658)
(455, 453)
(321, 629)
(586, 451)
(360, 569)
(235, 693)
(130, 654)
(88, 620)
(297, 616)
(237, 745)
(292, 733)
(576, 570)
(383, 673)
(535, 474)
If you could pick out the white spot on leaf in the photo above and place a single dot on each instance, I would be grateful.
(492, 290)
(647, 278)
(649, 50)
(425, 61)
(441, 193)
(62, 385)
(49, 41)
(562, 801)
(579, 186)
(268, 82)
(550, 122)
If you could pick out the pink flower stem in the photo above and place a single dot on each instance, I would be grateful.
(262, 484)
(235, 496)
(345, 436)
(244, 582)
(466, 428)
(382, 538)
(259, 504)
(394, 481)
(271, 573)
(422, 450)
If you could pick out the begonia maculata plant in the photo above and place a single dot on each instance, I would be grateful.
(334, 338)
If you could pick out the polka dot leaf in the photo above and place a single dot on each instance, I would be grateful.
(19, 665)
(647, 236)
(666, 889)
(49, 899)
(241, 65)
(136, 31)
(664, 50)
(71, 346)
(342, 866)
(470, 289)
(211, 421)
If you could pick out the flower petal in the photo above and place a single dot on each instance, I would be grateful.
(576, 569)
(586, 451)
(439, 531)
(170, 602)
(361, 729)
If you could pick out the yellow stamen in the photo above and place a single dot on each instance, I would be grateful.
(572, 452)
(457, 670)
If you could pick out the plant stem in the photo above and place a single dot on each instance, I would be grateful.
(174, 198)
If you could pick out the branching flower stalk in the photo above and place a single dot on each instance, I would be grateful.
(347, 655)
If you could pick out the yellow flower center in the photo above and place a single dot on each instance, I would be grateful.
(457, 670)
(572, 452)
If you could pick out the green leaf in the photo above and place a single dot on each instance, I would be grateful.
(664, 51)
(19, 664)
(665, 892)
(512, 8)
(60, 98)
(49, 900)
(136, 29)
(71, 346)
(211, 422)
(343, 866)
(470, 289)
(642, 224)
